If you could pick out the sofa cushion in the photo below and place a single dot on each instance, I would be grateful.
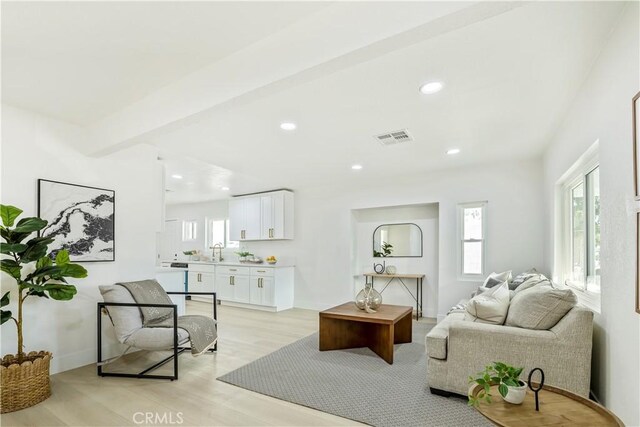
(491, 306)
(436, 340)
(540, 306)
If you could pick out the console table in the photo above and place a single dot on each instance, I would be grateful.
(419, 278)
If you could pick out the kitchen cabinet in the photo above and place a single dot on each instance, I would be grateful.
(265, 216)
(201, 278)
(277, 215)
(244, 218)
(265, 288)
(261, 290)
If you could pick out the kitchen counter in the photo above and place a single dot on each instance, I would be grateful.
(233, 264)
(160, 270)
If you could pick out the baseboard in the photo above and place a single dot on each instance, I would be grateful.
(82, 358)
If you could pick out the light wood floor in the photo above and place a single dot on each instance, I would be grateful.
(81, 398)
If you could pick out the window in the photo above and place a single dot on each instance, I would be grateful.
(581, 193)
(218, 233)
(471, 232)
(189, 230)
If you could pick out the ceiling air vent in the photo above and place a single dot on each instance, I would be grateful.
(393, 138)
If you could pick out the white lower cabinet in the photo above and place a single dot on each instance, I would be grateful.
(201, 278)
(265, 288)
(261, 290)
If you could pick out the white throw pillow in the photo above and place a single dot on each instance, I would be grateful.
(494, 279)
(490, 306)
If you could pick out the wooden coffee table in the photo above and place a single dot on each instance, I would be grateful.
(346, 326)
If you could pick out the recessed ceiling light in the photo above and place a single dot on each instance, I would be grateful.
(356, 167)
(431, 87)
(288, 126)
(224, 188)
(176, 176)
(453, 151)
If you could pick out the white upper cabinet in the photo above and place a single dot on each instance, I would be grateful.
(244, 218)
(267, 216)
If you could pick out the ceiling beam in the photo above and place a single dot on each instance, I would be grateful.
(335, 38)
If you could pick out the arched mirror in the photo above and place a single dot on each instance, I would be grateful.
(397, 240)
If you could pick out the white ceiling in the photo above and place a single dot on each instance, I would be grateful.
(508, 81)
(509, 77)
(80, 61)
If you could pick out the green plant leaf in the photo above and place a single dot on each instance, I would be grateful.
(9, 248)
(62, 257)
(29, 225)
(60, 292)
(33, 252)
(9, 214)
(45, 261)
(511, 382)
(5, 300)
(73, 270)
(44, 271)
(11, 267)
(502, 388)
(6, 315)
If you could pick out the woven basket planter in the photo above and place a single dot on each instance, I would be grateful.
(25, 384)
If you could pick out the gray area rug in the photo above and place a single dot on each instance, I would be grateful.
(357, 384)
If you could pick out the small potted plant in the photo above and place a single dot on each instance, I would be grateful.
(506, 377)
(387, 248)
(244, 255)
(36, 272)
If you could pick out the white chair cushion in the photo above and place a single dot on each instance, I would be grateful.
(156, 338)
(126, 320)
(490, 306)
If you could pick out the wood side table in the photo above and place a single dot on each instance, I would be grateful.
(558, 407)
(346, 326)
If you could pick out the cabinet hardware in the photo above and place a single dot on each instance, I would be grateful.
(261, 271)
(232, 280)
(233, 269)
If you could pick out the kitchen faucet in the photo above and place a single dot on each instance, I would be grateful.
(213, 252)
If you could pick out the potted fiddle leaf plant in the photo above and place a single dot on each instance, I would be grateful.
(506, 377)
(36, 273)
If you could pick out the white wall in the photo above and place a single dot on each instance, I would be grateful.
(324, 231)
(37, 147)
(602, 110)
(424, 216)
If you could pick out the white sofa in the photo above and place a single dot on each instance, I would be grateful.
(457, 348)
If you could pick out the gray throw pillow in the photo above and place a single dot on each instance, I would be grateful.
(521, 278)
(534, 280)
(540, 307)
(491, 282)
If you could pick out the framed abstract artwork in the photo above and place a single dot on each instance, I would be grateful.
(636, 143)
(635, 108)
(81, 220)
